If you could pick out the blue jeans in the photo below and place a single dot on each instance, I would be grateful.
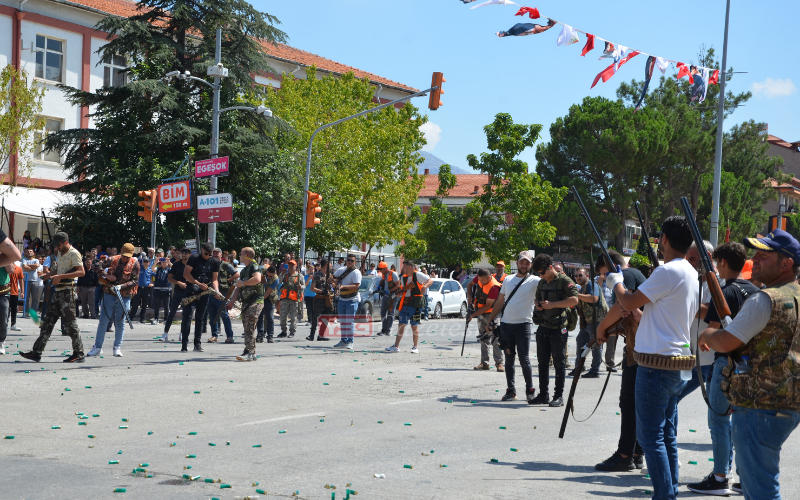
(98, 296)
(214, 305)
(266, 317)
(720, 427)
(758, 436)
(657, 394)
(694, 384)
(111, 310)
(347, 313)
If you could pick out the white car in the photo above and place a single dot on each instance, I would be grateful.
(445, 296)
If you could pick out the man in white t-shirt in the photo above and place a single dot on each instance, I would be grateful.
(33, 287)
(349, 279)
(411, 303)
(671, 297)
(515, 323)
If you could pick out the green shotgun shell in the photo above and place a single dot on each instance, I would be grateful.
(187, 467)
(224, 486)
(119, 452)
(256, 446)
(200, 412)
(419, 376)
(197, 392)
(124, 419)
(123, 426)
(380, 421)
(56, 427)
(96, 415)
(325, 383)
(494, 460)
(180, 363)
(120, 490)
(192, 433)
(710, 459)
(172, 444)
(212, 444)
(146, 464)
(408, 466)
(67, 389)
(113, 462)
(442, 465)
(81, 423)
(322, 420)
(191, 456)
(473, 401)
(692, 462)
(88, 387)
(149, 433)
(402, 392)
(692, 430)
(503, 427)
(9, 437)
(514, 449)
(281, 432)
(91, 436)
(407, 423)
(208, 480)
(449, 400)
(380, 378)
(357, 378)
(261, 492)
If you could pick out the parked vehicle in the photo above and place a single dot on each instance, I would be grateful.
(446, 296)
(369, 307)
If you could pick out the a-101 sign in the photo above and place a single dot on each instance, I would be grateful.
(211, 167)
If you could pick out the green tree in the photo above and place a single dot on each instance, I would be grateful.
(365, 168)
(144, 129)
(20, 104)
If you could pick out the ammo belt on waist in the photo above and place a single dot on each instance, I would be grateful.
(661, 362)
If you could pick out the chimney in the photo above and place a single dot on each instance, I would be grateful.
(475, 191)
(427, 171)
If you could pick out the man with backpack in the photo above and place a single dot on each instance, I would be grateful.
(556, 294)
(592, 308)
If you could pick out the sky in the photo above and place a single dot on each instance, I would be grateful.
(532, 78)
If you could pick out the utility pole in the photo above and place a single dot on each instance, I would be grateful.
(714, 236)
(212, 227)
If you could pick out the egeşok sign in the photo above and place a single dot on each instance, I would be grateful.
(211, 167)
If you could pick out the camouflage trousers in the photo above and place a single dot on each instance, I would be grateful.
(62, 307)
(249, 320)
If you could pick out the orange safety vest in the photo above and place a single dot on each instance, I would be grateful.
(388, 278)
(292, 294)
(415, 291)
(500, 280)
(482, 294)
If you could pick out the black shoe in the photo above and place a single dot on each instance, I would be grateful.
(260, 340)
(542, 399)
(291, 335)
(556, 402)
(270, 341)
(638, 462)
(611, 369)
(310, 338)
(710, 486)
(31, 355)
(737, 487)
(75, 358)
(530, 393)
(510, 395)
(616, 463)
(571, 374)
(591, 375)
(323, 339)
(281, 335)
(184, 348)
(198, 348)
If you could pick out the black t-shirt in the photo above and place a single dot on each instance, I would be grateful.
(177, 271)
(734, 297)
(632, 278)
(202, 269)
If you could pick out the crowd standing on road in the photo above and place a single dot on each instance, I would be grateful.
(749, 360)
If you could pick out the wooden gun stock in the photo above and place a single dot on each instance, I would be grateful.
(716, 295)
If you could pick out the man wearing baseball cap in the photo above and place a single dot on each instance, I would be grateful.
(387, 287)
(761, 379)
(67, 268)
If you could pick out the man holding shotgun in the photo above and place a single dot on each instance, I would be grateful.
(672, 302)
(760, 379)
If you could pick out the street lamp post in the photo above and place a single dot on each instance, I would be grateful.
(218, 71)
(714, 236)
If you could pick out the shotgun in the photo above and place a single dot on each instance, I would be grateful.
(650, 252)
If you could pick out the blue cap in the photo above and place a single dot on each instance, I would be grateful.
(776, 241)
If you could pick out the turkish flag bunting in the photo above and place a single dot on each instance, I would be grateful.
(607, 73)
(589, 44)
(532, 12)
(714, 80)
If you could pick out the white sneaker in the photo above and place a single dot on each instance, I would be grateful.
(165, 337)
(2, 348)
(392, 348)
(414, 350)
(118, 352)
(95, 351)
(341, 343)
(14, 328)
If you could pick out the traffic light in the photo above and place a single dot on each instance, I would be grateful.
(435, 100)
(148, 204)
(312, 210)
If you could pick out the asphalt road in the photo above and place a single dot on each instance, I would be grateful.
(346, 415)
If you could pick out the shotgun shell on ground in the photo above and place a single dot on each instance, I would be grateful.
(408, 466)
(494, 460)
(113, 462)
(120, 490)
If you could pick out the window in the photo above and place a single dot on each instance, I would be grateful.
(49, 58)
(114, 71)
(50, 125)
(435, 286)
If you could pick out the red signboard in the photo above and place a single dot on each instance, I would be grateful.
(215, 208)
(174, 197)
(212, 167)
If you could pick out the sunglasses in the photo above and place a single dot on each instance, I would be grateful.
(206, 254)
(351, 260)
(580, 275)
(541, 273)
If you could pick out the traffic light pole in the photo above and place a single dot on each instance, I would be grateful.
(715, 192)
(308, 158)
(212, 227)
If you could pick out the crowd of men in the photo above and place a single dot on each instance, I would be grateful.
(749, 360)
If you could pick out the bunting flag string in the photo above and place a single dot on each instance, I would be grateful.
(699, 76)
